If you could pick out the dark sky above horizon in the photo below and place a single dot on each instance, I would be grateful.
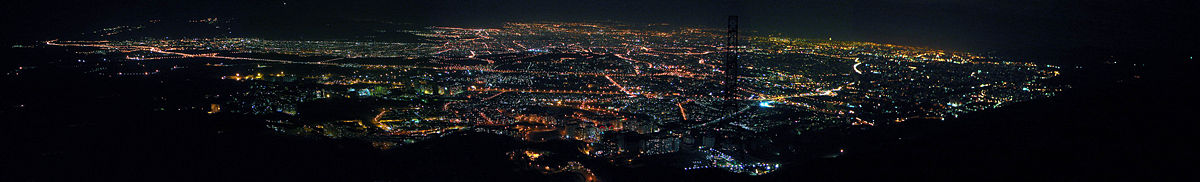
(1012, 27)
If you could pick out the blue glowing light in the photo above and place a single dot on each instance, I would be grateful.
(766, 104)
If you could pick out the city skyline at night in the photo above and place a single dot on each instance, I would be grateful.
(440, 91)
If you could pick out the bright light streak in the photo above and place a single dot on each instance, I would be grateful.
(766, 104)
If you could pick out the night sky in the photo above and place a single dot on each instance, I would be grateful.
(1049, 29)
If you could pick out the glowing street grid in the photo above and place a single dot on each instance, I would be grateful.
(621, 91)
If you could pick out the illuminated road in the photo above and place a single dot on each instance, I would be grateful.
(543, 91)
(183, 55)
(614, 82)
(856, 63)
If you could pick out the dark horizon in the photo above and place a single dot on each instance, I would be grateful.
(1039, 30)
